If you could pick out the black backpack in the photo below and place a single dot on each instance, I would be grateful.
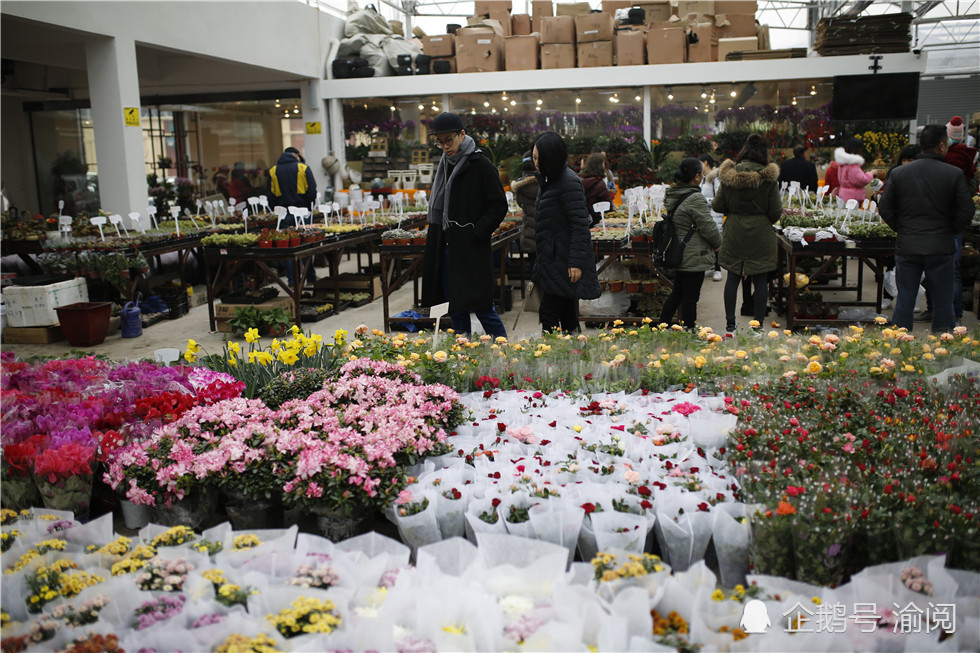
(667, 247)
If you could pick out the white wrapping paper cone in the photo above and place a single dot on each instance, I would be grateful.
(97, 531)
(607, 526)
(475, 525)
(633, 604)
(558, 523)
(374, 544)
(731, 541)
(587, 547)
(452, 557)
(421, 528)
(220, 533)
(450, 513)
(496, 549)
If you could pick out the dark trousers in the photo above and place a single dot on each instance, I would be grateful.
(760, 295)
(957, 281)
(558, 312)
(492, 324)
(938, 269)
(686, 293)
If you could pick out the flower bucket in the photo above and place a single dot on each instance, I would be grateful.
(249, 515)
(73, 493)
(135, 516)
(193, 510)
(336, 526)
(85, 323)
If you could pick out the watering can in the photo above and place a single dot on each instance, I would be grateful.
(130, 320)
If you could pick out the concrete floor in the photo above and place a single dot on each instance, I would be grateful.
(174, 333)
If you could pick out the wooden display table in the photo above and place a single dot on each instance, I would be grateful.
(871, 255)
(229, 261)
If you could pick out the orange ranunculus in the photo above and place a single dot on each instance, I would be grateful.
(785, 508)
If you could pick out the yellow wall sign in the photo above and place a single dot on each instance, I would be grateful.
(312, 128)
(131, 116)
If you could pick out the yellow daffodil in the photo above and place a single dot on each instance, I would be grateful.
(234, 348)
(252, 335)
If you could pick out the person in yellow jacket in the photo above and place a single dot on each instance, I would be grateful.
(291, 182)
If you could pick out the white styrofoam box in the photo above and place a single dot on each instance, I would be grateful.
(29, 306)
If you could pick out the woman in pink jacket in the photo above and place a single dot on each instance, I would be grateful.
(852, 179)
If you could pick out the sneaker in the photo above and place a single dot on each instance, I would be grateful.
(730, 330)
(924, 316)
(716, 276)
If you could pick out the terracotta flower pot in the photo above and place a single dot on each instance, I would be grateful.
(388, 241)
(418, 241)
(403, 241)
(265, 244)
(616, 286)
(308, 239)
(295, 242)
(650, 287)
(632, 286)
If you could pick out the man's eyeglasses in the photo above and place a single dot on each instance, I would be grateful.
(446, 142)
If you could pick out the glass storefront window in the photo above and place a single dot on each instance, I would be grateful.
(64, 155)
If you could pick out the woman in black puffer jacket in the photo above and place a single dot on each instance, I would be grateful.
(565, 265)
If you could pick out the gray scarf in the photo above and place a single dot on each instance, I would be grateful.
(442, 183)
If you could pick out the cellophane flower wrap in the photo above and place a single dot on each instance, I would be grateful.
(64, 477)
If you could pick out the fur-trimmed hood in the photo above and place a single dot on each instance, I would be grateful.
(843, 158)
(523, 181)
(746, 174)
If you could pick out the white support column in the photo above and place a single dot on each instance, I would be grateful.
(337, 142)
(447, 106)
(647, 127)
(114, 85)
(314, 145)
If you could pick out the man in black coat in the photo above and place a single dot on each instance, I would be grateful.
(291, 183)
(927, 202)
(467, 204)
(800, 169)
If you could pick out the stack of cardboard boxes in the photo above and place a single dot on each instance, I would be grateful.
(567, 34)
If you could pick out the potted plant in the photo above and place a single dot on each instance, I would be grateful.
(650, 286)
(276, 320)
(265, 239)
(280, 239)
(632, 286)
(245, 318)
(616, 285)
(419, 237)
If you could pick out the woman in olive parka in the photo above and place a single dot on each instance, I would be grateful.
(749, 198)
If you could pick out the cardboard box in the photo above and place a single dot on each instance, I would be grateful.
(573, 9)
(439, 45)
(451, 60)
(738, 25)
(610, 6)
(630, 47)
(656, 10)
(557, 55)
(521, 52)
(32, 335)
(736, 45)
(593, 27)
(520, 25)
(666, 45)
(736, 7)
(479, 51)
(486, 7)
(502, 17)
(558, 29)
(706, 7)
(540, 9)
(594, 54)
(33, 306)
(229, 310)
(477, 23)
(701, 50)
